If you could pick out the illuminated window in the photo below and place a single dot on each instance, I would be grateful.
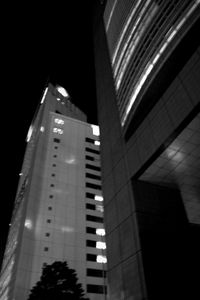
(101, 259)
(97, 143)
(57, 130)
(99, 208)
(98, 198)
(42, 128)
(100, 231)
(62, 91)
(28, 224)
(95, 130)
(59, 121)
(101, 245)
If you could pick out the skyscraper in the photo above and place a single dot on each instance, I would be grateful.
(58, 211)
(147, 62)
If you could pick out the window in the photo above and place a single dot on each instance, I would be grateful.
(91, 230)
(47, 234)
(51, 196)
(57, 130)
(53, 175)
(94, 219)
(90, 206)
(89, 157)
(52, 185)
(90, 243)
(56, 147)
(96, 273)
(50, 208)
(56, 140)
(48, 220)
(89, 140)
(93, 167)
(92, 176)
(46, 249)
(92, 150)
(91, 257)
(90, 195)
(55, 155)
(93, 186)
(54, 165)
(96, 289)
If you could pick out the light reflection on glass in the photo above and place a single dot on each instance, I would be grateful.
(67, 229)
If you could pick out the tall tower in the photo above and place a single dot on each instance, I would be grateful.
(147, 63)
(58, 211)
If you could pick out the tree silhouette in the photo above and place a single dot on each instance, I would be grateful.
(57, 282)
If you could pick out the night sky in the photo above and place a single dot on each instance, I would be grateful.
(40, 44)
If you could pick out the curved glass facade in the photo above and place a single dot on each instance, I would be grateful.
(141, 34)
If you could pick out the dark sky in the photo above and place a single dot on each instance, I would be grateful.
(40, 44)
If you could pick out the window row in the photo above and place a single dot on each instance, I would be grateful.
(96, 289)
(94, 197)
(92, 150)
(92, 176)
(96, 244)
(93, 186)
(91, 167)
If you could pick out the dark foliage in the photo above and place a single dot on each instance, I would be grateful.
(57, 282)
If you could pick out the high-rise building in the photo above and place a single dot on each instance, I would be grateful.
(147, 63)
(58, 211)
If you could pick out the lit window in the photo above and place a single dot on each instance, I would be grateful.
(100, 245)
(58, 99)
(95, 130)
(100, 231)
(28, 224)
(44, 95)
(97, 143)
(42, 128)
(59, 121)
(101, 259)
(62, 91)
(30, 131)
(99, 208)
(57, 130)
(98, 198)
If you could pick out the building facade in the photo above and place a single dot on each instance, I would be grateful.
(147, 63)
(58, 211)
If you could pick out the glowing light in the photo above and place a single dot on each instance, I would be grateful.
(101, 245)
(95, 129)
(44, 95)
(110, 16)
(99, 208)
(28, 224)
(62, 91)
(97, 143)
(59, 121)
(124, 30)
(20, 174)
(42, 128)
(168, 38)
(101, 259)
(98, 198)
(30, 131)
(100, 231)
(57, 130)
(67, 229)
(58, 99)
(70, 160)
